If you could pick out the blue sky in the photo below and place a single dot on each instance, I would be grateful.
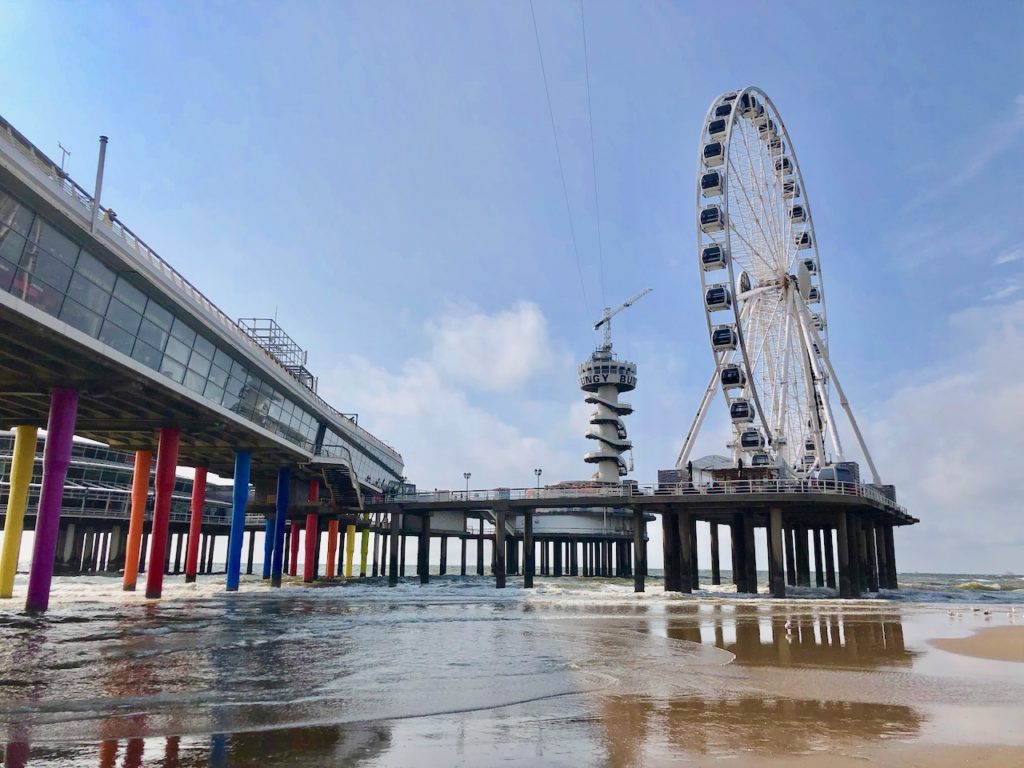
(383, 177)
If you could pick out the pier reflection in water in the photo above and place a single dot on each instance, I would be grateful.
(322, 681)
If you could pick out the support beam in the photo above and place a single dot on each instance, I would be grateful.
(252, 552)
(293, 550)
(776, 575)
(716, 571)
(790, 537)
(890, 556)
(268, 546)
(195, 523)
(394, 537)
(209, 554)
(166, 466)
(462, 562)
(444, 556)
(239, 498)
(803, 558)
(364, 547)
(558, 558)
(819, 571)
(499, 546)
(670, 546)
(202, 554)
(739, 568)
(830, 560)
(872, 554)
(528, 552)
(284, 481)
(22, 461)
(177, 552)
(311, 534)
(639, 534)
(684, 520)
(750, 557)
(423, 550)
(843, 545)
(332, 547)
(60, 430)
(136, 523)
(350, 550)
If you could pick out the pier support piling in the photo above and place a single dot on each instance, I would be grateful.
(166, 465)
(716, 571)
(239, 498)
(135, 549)
(830, 567)
(639, 534)
(312, 533)
(776, 576)
(499, 546)
(332, 547)
(195, 524)
(284, 481)
(393, 561)
(528, 553)
(22, 462)
(819, 573)
(670, 546)
(423, 550)
(268, 546)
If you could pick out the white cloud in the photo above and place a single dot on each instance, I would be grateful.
(1014, 254)
(952, 440)
(497, 352)
(433, 410)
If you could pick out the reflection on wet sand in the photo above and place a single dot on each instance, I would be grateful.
(728, 724)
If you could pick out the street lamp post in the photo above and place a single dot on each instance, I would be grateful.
(467, 475)
(537, 473)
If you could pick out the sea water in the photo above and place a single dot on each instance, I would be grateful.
(457, 672)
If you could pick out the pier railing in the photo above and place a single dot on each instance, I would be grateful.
(599, 491)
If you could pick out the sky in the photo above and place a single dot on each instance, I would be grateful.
(383, 178)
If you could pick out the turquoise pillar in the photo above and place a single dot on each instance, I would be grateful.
(239, 498)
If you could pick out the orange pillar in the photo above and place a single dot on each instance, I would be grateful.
(195, 524)
(140, 490)
(332, 547)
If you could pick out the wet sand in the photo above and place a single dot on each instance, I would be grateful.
(455, 674)
(996, 643)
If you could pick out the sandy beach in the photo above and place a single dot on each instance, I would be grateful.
(996, 643)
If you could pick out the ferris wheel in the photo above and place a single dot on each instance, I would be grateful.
(763, 293)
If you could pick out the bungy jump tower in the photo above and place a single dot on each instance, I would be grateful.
(603, 378)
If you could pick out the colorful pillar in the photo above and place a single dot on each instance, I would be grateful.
(140, 491)
(293, 561)
(350, 549)
(239, 498)
(166, 464)
(195, 524)
(60, 429)
(332, 548)
(312, 533)
(284, 478)
(364, 547)
(268, 546)
(21, 474)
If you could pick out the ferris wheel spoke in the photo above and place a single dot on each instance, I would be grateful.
(763, 185)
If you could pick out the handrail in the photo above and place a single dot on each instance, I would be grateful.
(70, 188)
(769, 486)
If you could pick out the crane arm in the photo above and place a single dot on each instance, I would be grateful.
(610, 313)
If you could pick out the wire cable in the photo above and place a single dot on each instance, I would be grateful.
(593, 156)
(558, 154)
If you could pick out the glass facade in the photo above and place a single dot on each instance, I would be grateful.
(41, 266)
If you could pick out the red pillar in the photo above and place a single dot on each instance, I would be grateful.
(166, 463)
(332, 547)
(195, 525)
(312, 533)
(293, 560)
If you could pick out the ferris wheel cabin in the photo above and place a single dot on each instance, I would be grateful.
(733, 377)
(751, 440)
(714, 154)
(712, 219)
(717, 297)
(741, 411)
(711, 184)
(724, 338)
(797, 214)
(713, 257)
(717, 129)
(802, 240)
(790, 189)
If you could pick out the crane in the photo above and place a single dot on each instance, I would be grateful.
(609, 313)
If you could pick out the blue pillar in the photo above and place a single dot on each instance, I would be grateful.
(268, 546)
(239, 497)
(284, 476)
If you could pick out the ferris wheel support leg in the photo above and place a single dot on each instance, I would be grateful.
(843, 401)
(698, 420)
(820, 384)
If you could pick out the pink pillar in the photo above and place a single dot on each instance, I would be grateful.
(166, 463)
(293, 560)
(195, 525)
(312, 533)
(60, 429)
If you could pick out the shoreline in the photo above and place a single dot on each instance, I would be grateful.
(1003, 643)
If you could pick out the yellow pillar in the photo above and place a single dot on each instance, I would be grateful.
(140, 491)
(21, 474)
(350, 549)
(364, 548)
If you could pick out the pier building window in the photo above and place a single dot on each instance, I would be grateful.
(42, 266)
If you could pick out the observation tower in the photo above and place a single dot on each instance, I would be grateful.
(603, 378)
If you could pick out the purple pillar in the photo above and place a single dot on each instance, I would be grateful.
(56, 456)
